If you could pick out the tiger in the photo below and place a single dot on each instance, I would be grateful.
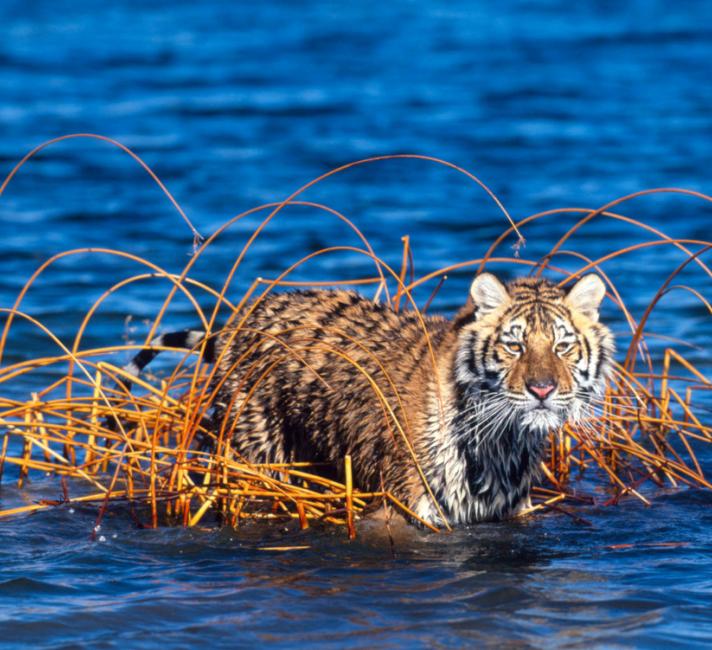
(450, 416)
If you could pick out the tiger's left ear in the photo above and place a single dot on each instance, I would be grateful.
(586, 296)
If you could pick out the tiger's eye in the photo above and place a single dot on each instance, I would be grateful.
(562, 348)
(515, 348)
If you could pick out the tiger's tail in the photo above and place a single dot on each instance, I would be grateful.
(185, 339)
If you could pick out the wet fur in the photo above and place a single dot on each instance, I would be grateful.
(288, 389)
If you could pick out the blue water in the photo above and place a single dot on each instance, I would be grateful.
(551, 103)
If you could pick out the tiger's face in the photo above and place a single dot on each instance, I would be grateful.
(534, 352)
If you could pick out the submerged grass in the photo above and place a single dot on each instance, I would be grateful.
(161, 460)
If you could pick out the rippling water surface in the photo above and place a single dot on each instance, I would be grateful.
(234, 106)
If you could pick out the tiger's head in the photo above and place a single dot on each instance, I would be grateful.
(533, 350)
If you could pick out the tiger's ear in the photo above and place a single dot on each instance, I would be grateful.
(487, 294)
(586, 296)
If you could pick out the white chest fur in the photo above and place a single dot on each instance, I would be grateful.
(475, 473)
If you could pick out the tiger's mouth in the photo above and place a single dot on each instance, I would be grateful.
(543, 416)
(513, 408)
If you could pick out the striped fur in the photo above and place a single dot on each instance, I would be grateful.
(316, 375)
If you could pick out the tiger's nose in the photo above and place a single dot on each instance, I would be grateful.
(541, 389)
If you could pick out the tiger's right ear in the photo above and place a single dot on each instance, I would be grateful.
(487, 294)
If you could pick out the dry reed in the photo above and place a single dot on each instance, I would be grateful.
(644, 434)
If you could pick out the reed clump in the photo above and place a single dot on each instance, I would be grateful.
(150, 447)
